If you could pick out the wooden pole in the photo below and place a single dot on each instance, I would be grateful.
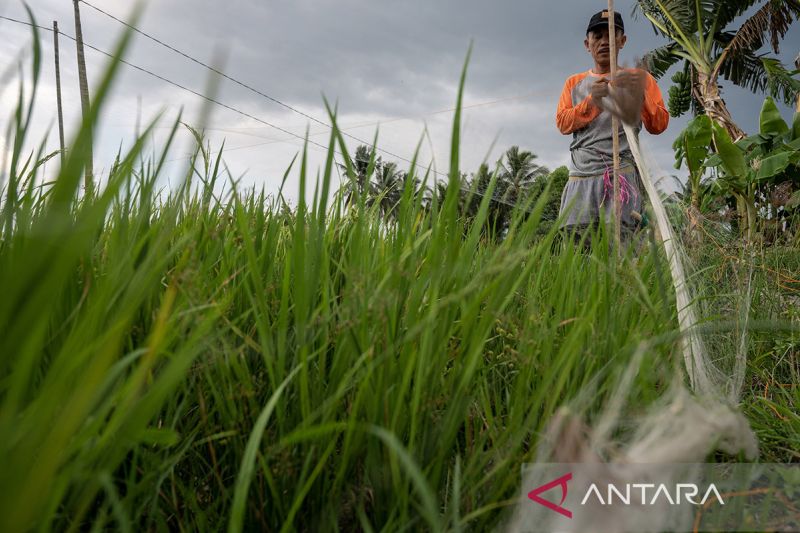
(612, 44)
(85, 109)
(58, 93)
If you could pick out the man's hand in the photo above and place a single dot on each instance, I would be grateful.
(599, 90)
(630, 79)
(625, 96)
(628, 88)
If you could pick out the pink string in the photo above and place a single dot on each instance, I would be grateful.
(626, 190)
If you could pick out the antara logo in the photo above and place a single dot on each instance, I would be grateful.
(562, 482)
(637, 494)
(628, 494)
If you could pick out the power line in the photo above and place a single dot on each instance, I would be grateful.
(279, 102)
(273, 140)
(328, 126)
(45, 28)
(231, 108)
(202, 64)
(248, 87)
(178, 85)
(246, 131)
(242, 130)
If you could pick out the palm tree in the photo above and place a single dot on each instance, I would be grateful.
(358, 184)
(499, 212)
(410, 180)
(388, 187)
(519, 172)
(438, 192)
(700, 35)
(477, 186)
(384, 184)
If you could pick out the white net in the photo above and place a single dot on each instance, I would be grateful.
(688, 423)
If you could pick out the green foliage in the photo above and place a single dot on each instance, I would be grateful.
(760, 173)
(771, 124)
(698, 34)
(552, 186)
(774, 153)
(731, 157)
(555, 183)
(796, 127)
(379, 183)
(661, 59)
(760, 74)
(691, 147)
(205, 358)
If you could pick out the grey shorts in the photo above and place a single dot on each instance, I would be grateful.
(586, 199)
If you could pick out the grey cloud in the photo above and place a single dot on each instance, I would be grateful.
(381, 59)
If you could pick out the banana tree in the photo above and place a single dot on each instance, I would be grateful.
(692, 147)
(760, 171)
(700, 35)
(737, 178)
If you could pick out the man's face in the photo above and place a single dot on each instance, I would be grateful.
(597, 44)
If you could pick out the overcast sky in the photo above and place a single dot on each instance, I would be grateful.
(394, 63)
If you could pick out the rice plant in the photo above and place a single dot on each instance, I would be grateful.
(204, 357)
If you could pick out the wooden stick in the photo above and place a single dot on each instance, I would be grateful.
(58, 92)
(84, 86)
(612, 44)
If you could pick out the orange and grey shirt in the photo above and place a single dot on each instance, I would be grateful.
(590, 126)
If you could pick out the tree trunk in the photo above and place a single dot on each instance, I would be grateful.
(748, 218)
(706, 91)
(797, 64)
(696, 193)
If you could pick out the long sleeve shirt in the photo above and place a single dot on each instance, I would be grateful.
(591, 146)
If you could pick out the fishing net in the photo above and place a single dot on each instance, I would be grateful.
(698, 414)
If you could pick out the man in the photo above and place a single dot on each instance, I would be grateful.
(583, 113)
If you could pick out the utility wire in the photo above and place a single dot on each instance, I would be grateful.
(230, 108)
(178, 85)
(289, 107)
(202, 64)
(374, 123)
(45, 28)
(246, 86)
(246, 130)
(275, 100)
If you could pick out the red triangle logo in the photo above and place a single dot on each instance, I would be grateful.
(560, 482)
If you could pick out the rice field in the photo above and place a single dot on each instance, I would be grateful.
(208, 358)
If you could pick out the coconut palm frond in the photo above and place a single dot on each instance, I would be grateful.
(519, 167)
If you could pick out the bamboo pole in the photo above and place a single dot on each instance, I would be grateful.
(58, 92)
(612, 44)
(84, 85)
